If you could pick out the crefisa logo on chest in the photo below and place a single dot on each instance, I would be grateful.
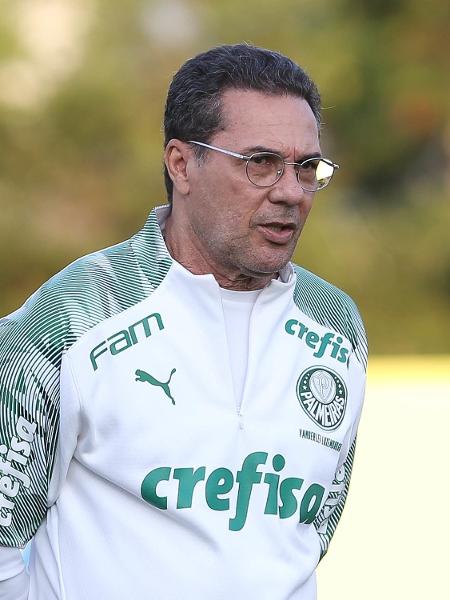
(323, 396)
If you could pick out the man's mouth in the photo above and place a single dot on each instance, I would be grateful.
(277, 232)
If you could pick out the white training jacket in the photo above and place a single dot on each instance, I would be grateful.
(126, 456)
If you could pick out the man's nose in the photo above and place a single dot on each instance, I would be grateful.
(287, 189)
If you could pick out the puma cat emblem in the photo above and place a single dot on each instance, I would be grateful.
(147, 378)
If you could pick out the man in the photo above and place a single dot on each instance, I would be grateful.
(179, 411)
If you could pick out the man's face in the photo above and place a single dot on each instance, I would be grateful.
(238, 228)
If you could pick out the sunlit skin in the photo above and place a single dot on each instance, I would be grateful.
(220, 222)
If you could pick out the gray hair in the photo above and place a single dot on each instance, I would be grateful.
(193, 106)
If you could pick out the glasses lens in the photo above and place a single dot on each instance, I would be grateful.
(314, 174)
(264, 168)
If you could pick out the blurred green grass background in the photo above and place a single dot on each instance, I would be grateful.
(82, 88)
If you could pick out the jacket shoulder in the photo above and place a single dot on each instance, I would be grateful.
(331, 307)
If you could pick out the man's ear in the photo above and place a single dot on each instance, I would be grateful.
(176, 156)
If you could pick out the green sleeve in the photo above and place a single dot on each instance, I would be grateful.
(328, 518)
(29, 407)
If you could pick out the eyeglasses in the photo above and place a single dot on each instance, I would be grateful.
(266, 168)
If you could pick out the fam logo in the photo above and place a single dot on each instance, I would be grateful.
(126, 338)
(323, 396)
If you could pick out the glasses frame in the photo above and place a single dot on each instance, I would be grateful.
(280, 171)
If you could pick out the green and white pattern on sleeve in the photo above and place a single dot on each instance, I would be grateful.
(333, 308)
(328, 518)
(32, 342)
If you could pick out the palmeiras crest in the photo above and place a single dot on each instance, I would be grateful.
(323, 396)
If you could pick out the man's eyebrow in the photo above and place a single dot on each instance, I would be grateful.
(307, 156)
(252, 149)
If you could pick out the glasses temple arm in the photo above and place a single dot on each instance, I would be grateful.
(229, 152)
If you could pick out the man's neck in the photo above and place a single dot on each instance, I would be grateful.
(182, 250)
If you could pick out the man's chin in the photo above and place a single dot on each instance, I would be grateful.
(265, 267)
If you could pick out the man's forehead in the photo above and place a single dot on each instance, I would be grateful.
(257, 118)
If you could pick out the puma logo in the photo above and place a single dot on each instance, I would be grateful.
(146, 377)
